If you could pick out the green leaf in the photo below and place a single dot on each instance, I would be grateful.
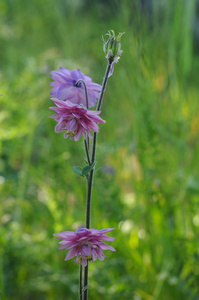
(85, 288)
(86, 170)
(78, 170)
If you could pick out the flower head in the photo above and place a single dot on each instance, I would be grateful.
(112, 48)
(75, 119)
(85, 244)
(65, 87)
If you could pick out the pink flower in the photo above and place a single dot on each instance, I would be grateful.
(65, 87)
(75, 119)
(85, 244)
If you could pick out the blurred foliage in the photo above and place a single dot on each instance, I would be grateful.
(147, 185)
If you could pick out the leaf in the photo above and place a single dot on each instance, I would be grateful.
(86, 170)
(85, 288)
(78, 170)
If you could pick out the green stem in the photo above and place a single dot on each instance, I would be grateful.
(104, 85)
(87, 152)
(98, 108)
(90, 180)
(86, 283)
(85, 88)
(87, 144)
(80, 282)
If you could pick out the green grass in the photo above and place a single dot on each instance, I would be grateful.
(150, 142)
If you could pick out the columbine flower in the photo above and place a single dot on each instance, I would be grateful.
(112, 48)
(65, 87)
(75, 119)
(85, 244)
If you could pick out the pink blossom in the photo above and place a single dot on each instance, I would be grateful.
(65, 87)
(75, 119)
(85, 244)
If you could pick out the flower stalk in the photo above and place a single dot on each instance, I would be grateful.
(86, 283)
(80, 283)
(85, 88)
(86, 141)
(90, 180)
(104, 85)
(87, 151)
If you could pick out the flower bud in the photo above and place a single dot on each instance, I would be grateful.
(112, 48)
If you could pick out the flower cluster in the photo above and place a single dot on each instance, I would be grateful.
(68, 93)
(85, 244)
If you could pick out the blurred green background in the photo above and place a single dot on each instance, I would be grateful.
(147, 186)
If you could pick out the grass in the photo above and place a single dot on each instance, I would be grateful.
(147, 183)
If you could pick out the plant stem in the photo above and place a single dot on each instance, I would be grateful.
(80, 282)
(87, 144)
(90, 180)
(98, 108)
(85, 88)
(87, 152)
(104, 85)
(86, 282)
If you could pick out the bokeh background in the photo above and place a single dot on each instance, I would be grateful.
(147, 185)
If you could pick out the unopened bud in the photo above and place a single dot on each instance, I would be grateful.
(112, 48)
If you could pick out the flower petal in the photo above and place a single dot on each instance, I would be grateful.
(85, 250)
(60, 126)
(94, 254)
(71, 253)
(72, 125)
(104, 246)
(100, 254)
(84, 262)
(78, 135)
